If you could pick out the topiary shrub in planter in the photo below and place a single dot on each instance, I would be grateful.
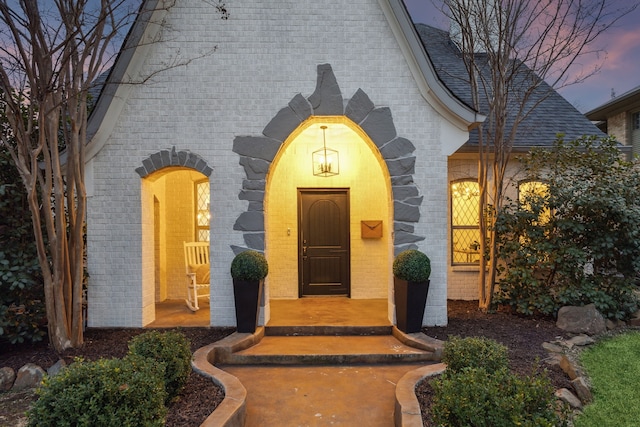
(411, 272)
(412, 265)
(248, 270)
(170, 348)
(249, 265)
(107, 392)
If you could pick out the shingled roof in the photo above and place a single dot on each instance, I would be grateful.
(552, 116)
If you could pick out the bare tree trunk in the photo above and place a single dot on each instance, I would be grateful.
(482, 224)
(44, 80)
(48, 62)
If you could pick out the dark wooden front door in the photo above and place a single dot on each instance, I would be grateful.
(323, 242)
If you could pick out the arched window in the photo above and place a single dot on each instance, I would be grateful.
(465, 231)
(202, 210)
(530, 194)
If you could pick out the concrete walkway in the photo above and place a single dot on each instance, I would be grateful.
(356, 395)
(364, 374)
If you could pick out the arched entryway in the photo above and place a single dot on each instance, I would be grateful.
(375, 160)
(175, 206)
(363, 187)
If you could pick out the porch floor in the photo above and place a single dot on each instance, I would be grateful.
(174, 312)
(329, 311)
(317, 311)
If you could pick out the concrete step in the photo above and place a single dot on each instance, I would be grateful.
(328, 330)
(328, 350)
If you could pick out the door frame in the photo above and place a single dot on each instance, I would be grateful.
(301, 191)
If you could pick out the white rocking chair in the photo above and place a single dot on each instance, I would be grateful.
(196, 259)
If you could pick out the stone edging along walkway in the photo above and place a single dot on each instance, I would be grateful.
(232, 411)
(407, 412)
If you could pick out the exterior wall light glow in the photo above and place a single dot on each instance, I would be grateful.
(325, 160)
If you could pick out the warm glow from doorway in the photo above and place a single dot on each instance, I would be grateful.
(363, 172)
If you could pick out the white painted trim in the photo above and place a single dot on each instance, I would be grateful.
(124, 75)
(461, 117)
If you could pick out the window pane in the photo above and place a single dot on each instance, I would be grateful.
(465, 196)
(466, 246)
(202, 189)
(203, 235)
(203, 210)
(464, 203)
(528, 189)
(530, 192)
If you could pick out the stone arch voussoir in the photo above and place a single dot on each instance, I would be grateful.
(167, 158)
(257, 152)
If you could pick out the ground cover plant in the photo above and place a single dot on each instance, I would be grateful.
(106, 392)
(199, 397)
(170, 348)
(521, 335)
(613, 367)
(127, 391)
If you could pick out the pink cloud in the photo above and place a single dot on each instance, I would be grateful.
(619, 44)
(619, 59)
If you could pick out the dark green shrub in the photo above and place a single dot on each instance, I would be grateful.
(171, 349)
(249, 265)
(474, 352)
(479, 398)
(22, 309)
(412, 265)
(104, 393)
(588, 249)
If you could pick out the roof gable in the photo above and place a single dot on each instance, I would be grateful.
(552, 116)
(116, 90)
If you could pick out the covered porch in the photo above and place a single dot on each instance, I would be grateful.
(317, 312)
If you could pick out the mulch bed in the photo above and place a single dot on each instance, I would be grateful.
(522, 335)
(196, 402)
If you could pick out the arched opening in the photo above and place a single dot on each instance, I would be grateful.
(364, 177)
(375, 160)
(175, 210)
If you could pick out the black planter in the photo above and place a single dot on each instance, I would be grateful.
(247, 295)
(410, 299)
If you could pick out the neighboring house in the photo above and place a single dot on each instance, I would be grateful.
(224, 149)
(620, 117)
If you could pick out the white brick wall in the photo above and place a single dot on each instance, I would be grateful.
(463, 280)
(267, 52)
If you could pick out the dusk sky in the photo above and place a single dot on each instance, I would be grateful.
(620, 59)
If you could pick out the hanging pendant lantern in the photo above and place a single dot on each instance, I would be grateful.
(325, 160)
